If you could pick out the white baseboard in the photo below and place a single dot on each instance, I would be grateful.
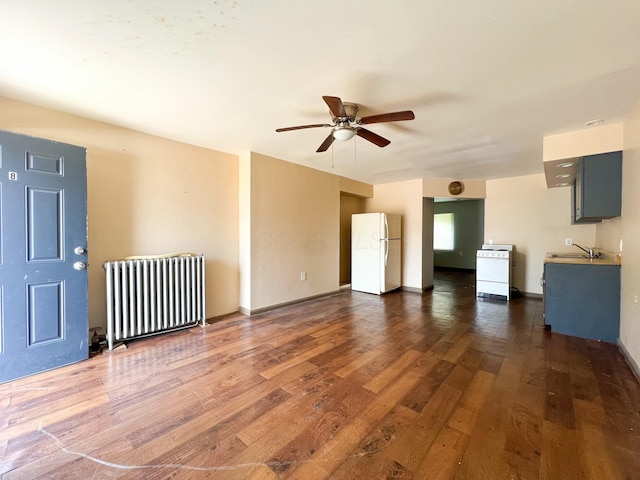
(256, 311)
(630, 361)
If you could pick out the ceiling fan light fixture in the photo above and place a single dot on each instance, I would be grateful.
(343, 133)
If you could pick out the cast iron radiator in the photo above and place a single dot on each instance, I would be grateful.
(154, 294)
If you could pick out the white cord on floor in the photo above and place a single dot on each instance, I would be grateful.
(139, 467)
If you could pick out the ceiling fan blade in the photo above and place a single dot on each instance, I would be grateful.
(388, 117)
(336, 106)
(326, 144)
(373, 137)
(300, 127)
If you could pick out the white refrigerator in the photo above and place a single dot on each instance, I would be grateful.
(375, 252)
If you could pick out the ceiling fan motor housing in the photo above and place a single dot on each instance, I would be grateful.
(351, 109)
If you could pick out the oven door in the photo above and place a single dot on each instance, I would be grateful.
(492, 276)
(491, 269)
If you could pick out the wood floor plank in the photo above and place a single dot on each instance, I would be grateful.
(299, 409)
(215, 447)
(463, 420)
(591, 424)
(368, 460)
(562, 453)
(333, 453)
(381, 380)
(524, 436)
(559, 400)
(421, 395)
(287, 364)
(476, 394)
(445, 456)
(483, 458)
(417, 386)
(458, 348)
(493, 398)
(55, 413)
(358, 362)
(410, 450)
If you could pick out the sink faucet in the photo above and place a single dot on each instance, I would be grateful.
(588, 251)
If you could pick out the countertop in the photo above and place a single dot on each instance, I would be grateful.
(608, 260)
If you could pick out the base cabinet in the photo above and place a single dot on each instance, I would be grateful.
(583, 300)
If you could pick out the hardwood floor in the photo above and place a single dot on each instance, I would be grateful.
(353, 386)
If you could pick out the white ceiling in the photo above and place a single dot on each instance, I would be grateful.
(486, 80)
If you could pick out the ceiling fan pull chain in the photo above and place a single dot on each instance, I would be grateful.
(355, 150)
(332, 155)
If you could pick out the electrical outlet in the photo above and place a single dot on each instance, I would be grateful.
(568, 242)
(303, 276)
(635, 299)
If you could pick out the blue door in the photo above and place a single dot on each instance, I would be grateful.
(43, 245)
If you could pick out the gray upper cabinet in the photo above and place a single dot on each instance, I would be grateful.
(597, 190)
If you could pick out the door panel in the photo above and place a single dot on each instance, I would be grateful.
(44, 224)
(43, 319)
(44, 315)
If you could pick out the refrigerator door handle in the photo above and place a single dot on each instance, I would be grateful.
(386, 252)
(386, 228)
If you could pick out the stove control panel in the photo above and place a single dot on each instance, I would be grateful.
(493, 254)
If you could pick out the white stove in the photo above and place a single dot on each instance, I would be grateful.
(493, 270)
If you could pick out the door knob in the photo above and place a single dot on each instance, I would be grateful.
(79, 250)
(80, 266)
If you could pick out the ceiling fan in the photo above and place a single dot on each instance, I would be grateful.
(346, 123)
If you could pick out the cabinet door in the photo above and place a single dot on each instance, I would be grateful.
(576, 202)
(598, 187)
(583, 300)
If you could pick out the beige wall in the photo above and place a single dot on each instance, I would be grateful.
(147, 195)
(404, 198)
(522, 211)
(439, 188)
(294, 224)
(588, 141)
(627, 228)
(353, 187)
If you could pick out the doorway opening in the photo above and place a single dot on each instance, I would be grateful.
(349, 204)
(458, 232)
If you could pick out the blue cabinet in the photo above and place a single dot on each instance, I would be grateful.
(597, 190)
(583, 300)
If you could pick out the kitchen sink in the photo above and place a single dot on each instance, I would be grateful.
(567, 255)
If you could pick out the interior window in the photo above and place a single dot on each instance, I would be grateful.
(443, 231)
